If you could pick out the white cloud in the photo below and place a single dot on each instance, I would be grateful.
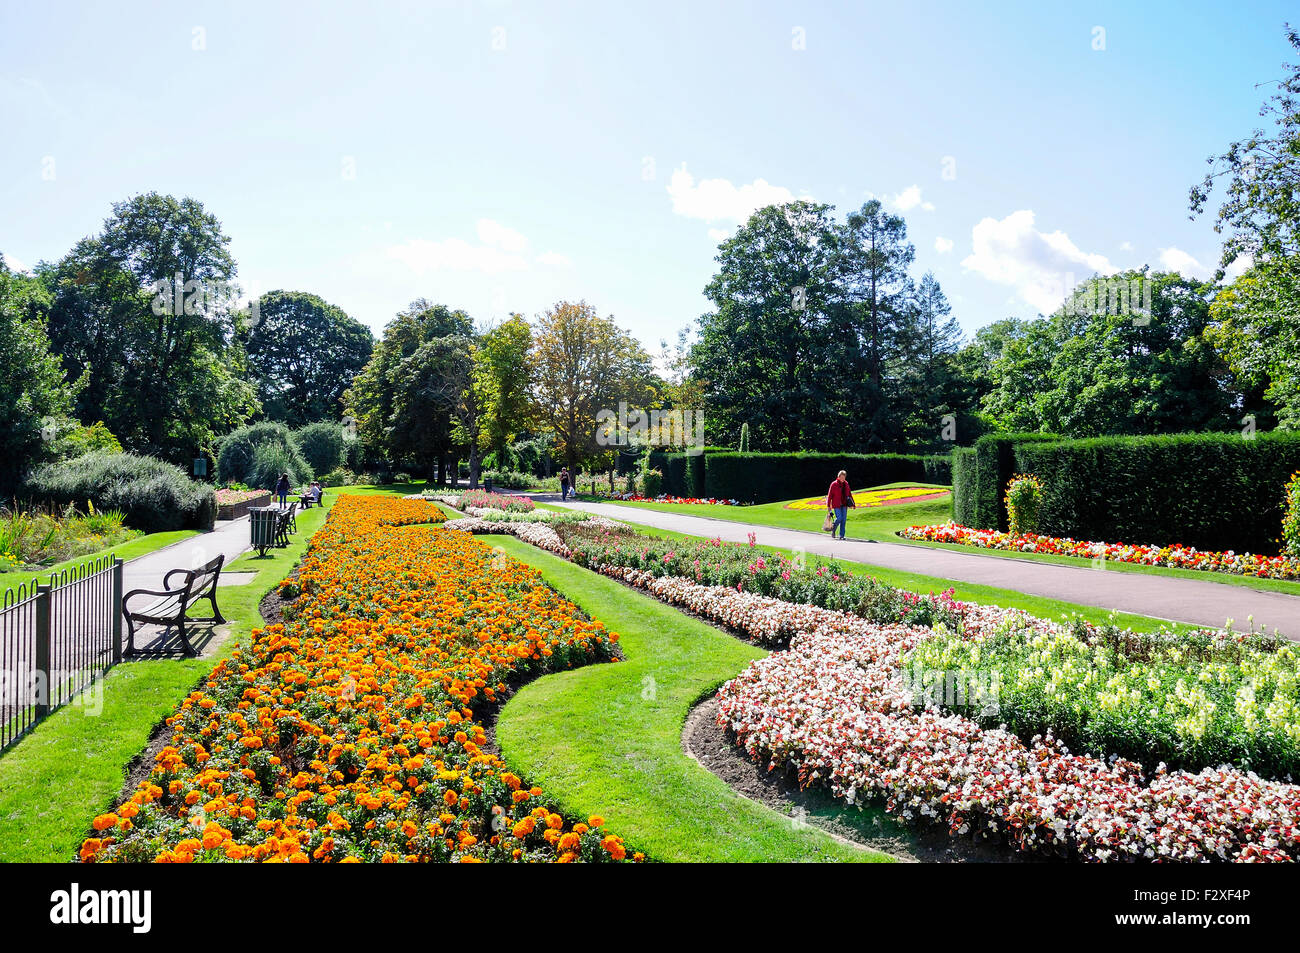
(1042, 266)
(507, 239)
(718, 200)
(719, 234)
(501, 249)
(909, 199)
(455, 254)
(943, 245)
(14, 264)
(1125, 246)
(1175, 259)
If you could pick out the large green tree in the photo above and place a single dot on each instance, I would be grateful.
(503, 382)
(1258, 317)
(583, 364)
(400, 401)
(303, 353)
(760, 355)
(35, 395)
(145, 311)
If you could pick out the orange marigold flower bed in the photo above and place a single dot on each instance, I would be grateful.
(350, 731)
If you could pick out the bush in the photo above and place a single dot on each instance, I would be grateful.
(1024, 503)
(270, 460)
(767, 477)
(238, 459)
(401, 477)
(1213, 491)
(510, 479)
(650, 483)
(153, 496)
(321, 445)
(340, 477)
(1291, 517)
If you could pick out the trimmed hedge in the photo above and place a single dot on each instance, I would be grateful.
(153, 496)
(768, 477)
(1212, 491)
(979, 481)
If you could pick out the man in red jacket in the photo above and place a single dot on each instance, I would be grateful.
(838, 500)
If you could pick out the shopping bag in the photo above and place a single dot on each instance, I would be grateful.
(828, 524)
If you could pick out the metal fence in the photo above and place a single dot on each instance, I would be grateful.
(57, 638)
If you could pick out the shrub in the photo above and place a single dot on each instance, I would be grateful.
(980, 474)
(153, 496)
(767, 477)
(77, 440)
(650, 483)
(1291, 517)
(321, 445)
(1024, 503)
(511, 479)
(340, 477)
(270, 460)
(237, 459)
(744, 438)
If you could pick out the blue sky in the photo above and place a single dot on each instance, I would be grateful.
(501, 156)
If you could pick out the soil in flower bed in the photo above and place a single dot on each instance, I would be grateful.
(709, 744)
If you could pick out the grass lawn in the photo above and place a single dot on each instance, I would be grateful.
(607, 738)
(72, 765)
(883, 523)
(139, 546)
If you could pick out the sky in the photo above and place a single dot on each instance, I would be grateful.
(501, 156)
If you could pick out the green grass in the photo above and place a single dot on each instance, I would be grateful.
(883, 523)
(72, 765)
(606, 739)
(140, 546)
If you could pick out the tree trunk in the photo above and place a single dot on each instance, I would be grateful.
(473, 467)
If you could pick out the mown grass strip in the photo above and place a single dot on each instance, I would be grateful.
(607, 738)
(71, 767)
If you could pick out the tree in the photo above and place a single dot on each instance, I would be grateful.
(1258, 318)
(1093, 369)
(34, 392)
(390, 400)
(584, 364)
(760, 354)
(303, 354)
(145, 311)
(502, 376)
(929, 375)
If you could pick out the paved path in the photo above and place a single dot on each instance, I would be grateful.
(1165, 597)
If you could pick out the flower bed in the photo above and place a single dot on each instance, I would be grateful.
(350, 732)
(1173, 557)
(692, 500)
(33, 538)
(232, 504)
(1189, 701)
(840, 708)
(483, 500)
(886, 497)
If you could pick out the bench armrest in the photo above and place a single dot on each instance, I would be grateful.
(147, 592)
(167, 578)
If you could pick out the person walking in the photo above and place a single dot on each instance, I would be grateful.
(282, 489)
(565, 483)
(838, 500)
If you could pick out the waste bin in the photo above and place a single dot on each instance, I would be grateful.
(261, 527)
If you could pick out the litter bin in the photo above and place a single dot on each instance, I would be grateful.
(261, 527)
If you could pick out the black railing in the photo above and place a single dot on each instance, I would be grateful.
(57, 638)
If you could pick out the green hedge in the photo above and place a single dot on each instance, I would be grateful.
(979, 481)
(153, 496)
(683, 472)
(768, 477)
(1211, 491)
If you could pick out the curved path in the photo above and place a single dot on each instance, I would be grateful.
(1164, 597)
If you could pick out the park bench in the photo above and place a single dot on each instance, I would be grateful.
(170, 604)
(286, 524)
